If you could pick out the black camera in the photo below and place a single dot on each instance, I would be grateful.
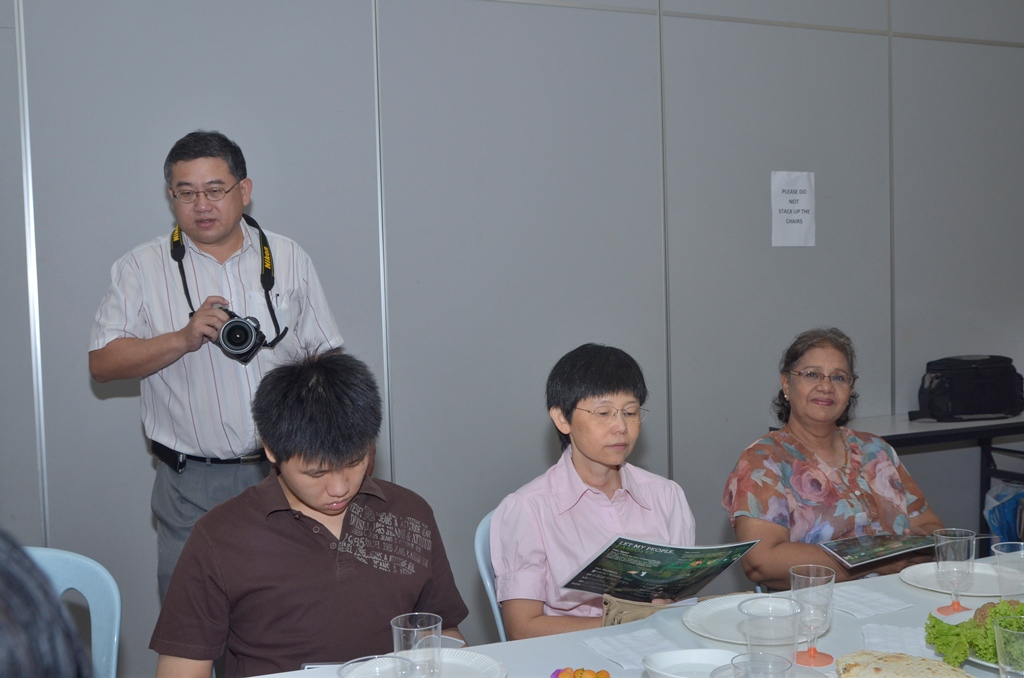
(240, 337)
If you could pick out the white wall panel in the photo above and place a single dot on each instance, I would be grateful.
(958, 139)
(523, 193)
(741, 101)
(994, 20)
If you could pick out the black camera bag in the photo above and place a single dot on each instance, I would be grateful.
(969, 387)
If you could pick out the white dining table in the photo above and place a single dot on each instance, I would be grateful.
(538, 657)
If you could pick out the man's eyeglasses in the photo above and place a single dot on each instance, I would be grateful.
(189, 196)
(814, 377)
(606, 414)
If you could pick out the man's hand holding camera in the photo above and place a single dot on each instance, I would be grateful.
(132, 358)
(205, 323)
(240, 338)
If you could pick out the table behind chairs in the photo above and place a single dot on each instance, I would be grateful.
(901, 433)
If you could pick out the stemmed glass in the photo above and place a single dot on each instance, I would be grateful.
(811, 586)
(954, 564)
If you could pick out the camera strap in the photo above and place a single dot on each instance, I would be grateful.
(266, 273)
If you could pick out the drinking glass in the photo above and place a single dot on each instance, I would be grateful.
(1009, 633)
(954, 564)
(760, 665)
(1010, 569)
(811, 586)
(417, 637)
(771, 626)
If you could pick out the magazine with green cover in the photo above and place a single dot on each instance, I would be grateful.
(856, 551)
(642, 571)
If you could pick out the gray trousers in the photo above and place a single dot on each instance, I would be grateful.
(180, 499)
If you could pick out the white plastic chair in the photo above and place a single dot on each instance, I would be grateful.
(482, 547)
(69, 570)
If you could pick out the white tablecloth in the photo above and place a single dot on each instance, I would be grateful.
(538, 657)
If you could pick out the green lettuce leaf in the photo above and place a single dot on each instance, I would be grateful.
(983, 638)
(955, 643)
(949, 640)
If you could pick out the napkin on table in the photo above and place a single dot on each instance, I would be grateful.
(862, 602)
(628, 649)
(905, 639)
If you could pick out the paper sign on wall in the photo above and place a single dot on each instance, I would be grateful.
(792, 209)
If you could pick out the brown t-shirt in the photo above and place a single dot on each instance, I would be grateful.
(278, 590)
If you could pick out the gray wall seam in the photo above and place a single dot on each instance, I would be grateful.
(382, 247)
(841, 29)
(664, 245)
(765, 22)
(32, 273)
(892, 228)
(583, 5)
(964, 41)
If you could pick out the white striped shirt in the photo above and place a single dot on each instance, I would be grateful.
(199, 404)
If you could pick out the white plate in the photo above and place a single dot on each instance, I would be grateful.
(686, 663)
(797, 672)
(468, 664)
(974, 660)
(454, 664)
(984, 581)
(720, 619)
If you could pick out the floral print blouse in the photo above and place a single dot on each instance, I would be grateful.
(778, 480)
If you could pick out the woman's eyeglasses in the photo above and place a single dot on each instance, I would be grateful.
(814, 377)
(606, 413)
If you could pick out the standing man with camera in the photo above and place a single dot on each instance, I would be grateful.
(200, 366)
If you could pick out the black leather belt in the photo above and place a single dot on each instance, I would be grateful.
(177, 460)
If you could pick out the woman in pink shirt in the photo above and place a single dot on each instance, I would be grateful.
(543, 532)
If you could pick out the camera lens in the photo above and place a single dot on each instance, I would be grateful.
(236, 335)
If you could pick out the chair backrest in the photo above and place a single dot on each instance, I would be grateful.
(482, 547)
(69, 570)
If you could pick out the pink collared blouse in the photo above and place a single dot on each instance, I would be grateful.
(544, 531)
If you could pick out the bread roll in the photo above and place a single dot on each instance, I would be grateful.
(892, 665)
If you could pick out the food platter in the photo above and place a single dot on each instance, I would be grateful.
(984, 581)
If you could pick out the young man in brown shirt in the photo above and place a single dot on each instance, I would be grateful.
(313, 563)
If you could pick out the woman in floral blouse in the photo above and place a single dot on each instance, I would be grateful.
(816, 480)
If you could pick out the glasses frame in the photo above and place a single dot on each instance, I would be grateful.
(643, 412)
(848, 383)
(206, 193)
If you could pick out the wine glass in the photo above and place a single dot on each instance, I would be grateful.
(811, 586)
(954, 564)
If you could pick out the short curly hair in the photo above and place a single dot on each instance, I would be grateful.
(822, 337)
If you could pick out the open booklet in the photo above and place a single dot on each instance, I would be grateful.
(856, 551)
(642, 571)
